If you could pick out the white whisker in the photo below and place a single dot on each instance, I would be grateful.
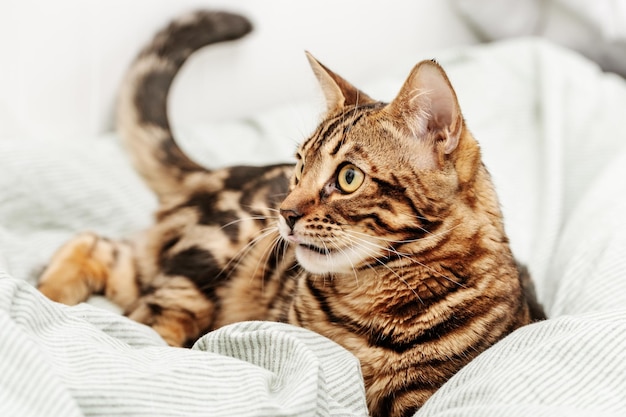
(343, 252)
(245, 250)
(430, 235)
(243, 219)
(406, 256)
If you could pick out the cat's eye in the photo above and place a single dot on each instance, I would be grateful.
(299, 169)
(350, 178)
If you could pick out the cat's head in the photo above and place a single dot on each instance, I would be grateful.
(375, 177)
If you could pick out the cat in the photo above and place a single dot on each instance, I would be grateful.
(386, 236)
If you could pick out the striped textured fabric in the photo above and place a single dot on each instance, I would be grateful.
(60, 361)
(569, 366)
(551, 128)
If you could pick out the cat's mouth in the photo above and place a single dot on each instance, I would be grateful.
(321, 260)
(316, 249)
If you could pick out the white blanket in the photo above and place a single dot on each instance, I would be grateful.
(552, 129)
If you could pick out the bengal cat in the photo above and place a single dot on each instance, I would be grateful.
(386, 236)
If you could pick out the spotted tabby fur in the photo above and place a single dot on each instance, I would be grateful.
(386, 236)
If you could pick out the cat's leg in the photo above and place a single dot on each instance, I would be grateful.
(175, 308)
(90, 264)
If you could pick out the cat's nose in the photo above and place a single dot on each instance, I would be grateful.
(290, 216)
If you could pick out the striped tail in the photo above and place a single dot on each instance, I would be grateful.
(142, 108)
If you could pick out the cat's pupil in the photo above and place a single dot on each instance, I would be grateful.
(349, 176)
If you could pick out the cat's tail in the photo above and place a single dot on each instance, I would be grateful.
(142, 107)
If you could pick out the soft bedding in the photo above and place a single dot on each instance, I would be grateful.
(551, 127)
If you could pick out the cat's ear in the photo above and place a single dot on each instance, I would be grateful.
(427, 105)
(337, 91)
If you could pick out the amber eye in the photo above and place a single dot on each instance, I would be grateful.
(350, 178)
(299, 169)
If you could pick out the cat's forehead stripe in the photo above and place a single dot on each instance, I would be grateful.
(342, 124)
(346, 129)
(322, 132)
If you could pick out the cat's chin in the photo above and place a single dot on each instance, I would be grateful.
(319, 261)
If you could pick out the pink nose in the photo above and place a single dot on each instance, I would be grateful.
(291, 217)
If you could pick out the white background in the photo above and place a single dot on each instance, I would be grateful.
(61, 61)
